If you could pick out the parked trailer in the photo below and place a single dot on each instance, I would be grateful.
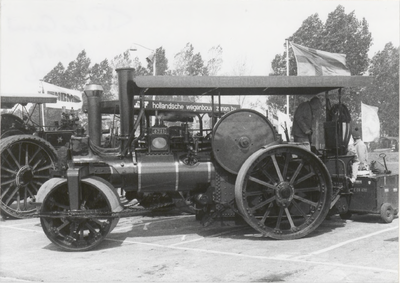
(239, 167)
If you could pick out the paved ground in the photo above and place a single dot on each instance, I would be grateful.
(176, 248)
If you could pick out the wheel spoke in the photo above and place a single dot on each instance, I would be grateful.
(60, 205)
(258, 181)
(309, 189)
(261, 204)
(7, 182)
(278, 170)
(34, 155)
(292, 226)
(40, 177)
(9, 171)
(93, 230)
(296, 173)
(285, 168)
(25, 198)
(305, 200)
(13, 157)
(64, 224)
(302, 179)
(262, 221)
(266, 174)
(254, 193)
(299, 209)
(278, 222)
(44, 168)
(37, 183)
(4, 192)
(36, 164)
(27, 155)
(18, 201)
(20, 153)
(31, 194)
(10, 197)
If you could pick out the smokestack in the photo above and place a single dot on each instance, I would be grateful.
(94, 93)
(126, 87)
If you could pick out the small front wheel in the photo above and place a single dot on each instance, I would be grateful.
(74, 233)
(387, 212)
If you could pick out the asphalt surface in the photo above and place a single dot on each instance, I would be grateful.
(176, 248)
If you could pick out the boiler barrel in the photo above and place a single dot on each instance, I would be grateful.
(160, 173)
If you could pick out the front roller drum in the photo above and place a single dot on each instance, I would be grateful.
(283, 191)
(74, 233)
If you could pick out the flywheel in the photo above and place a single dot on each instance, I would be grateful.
(239, 134)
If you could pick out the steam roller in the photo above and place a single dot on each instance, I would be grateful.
(240, 168)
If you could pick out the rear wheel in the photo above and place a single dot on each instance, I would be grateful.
(283, 191)
(73, 233)
(26, 163)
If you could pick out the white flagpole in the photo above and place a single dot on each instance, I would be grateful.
(287, 74)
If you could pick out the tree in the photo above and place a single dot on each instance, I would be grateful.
(102, 74)
(56, 76)
(161, 62)
(77, 73)
(189, 64)
(384, 92)
(214, 62)
(354, 37)
(355, 41)
(125, 60)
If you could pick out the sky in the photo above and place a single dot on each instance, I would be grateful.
(35, 35)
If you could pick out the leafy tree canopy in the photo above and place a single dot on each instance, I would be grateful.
(188, 63)
(384, 92)
(352, 34)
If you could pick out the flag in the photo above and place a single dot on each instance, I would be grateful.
(312, 62)
(370, 123)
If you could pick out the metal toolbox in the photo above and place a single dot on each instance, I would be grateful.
(376, 194)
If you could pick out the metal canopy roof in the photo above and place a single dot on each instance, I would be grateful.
(247, 85)
(27, 98)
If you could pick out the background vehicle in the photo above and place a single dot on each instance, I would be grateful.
(239, 167)
(29, 152)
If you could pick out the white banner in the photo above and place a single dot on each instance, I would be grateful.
(68, 98)
(370, 123)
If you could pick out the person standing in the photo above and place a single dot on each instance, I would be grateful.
(359, 150)
(362, 152)
(303, 120)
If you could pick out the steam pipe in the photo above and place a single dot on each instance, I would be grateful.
(126, 88)
(94, 93)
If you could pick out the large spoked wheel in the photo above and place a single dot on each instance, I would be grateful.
(26, 163)
(77, 234)
(283, 191)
